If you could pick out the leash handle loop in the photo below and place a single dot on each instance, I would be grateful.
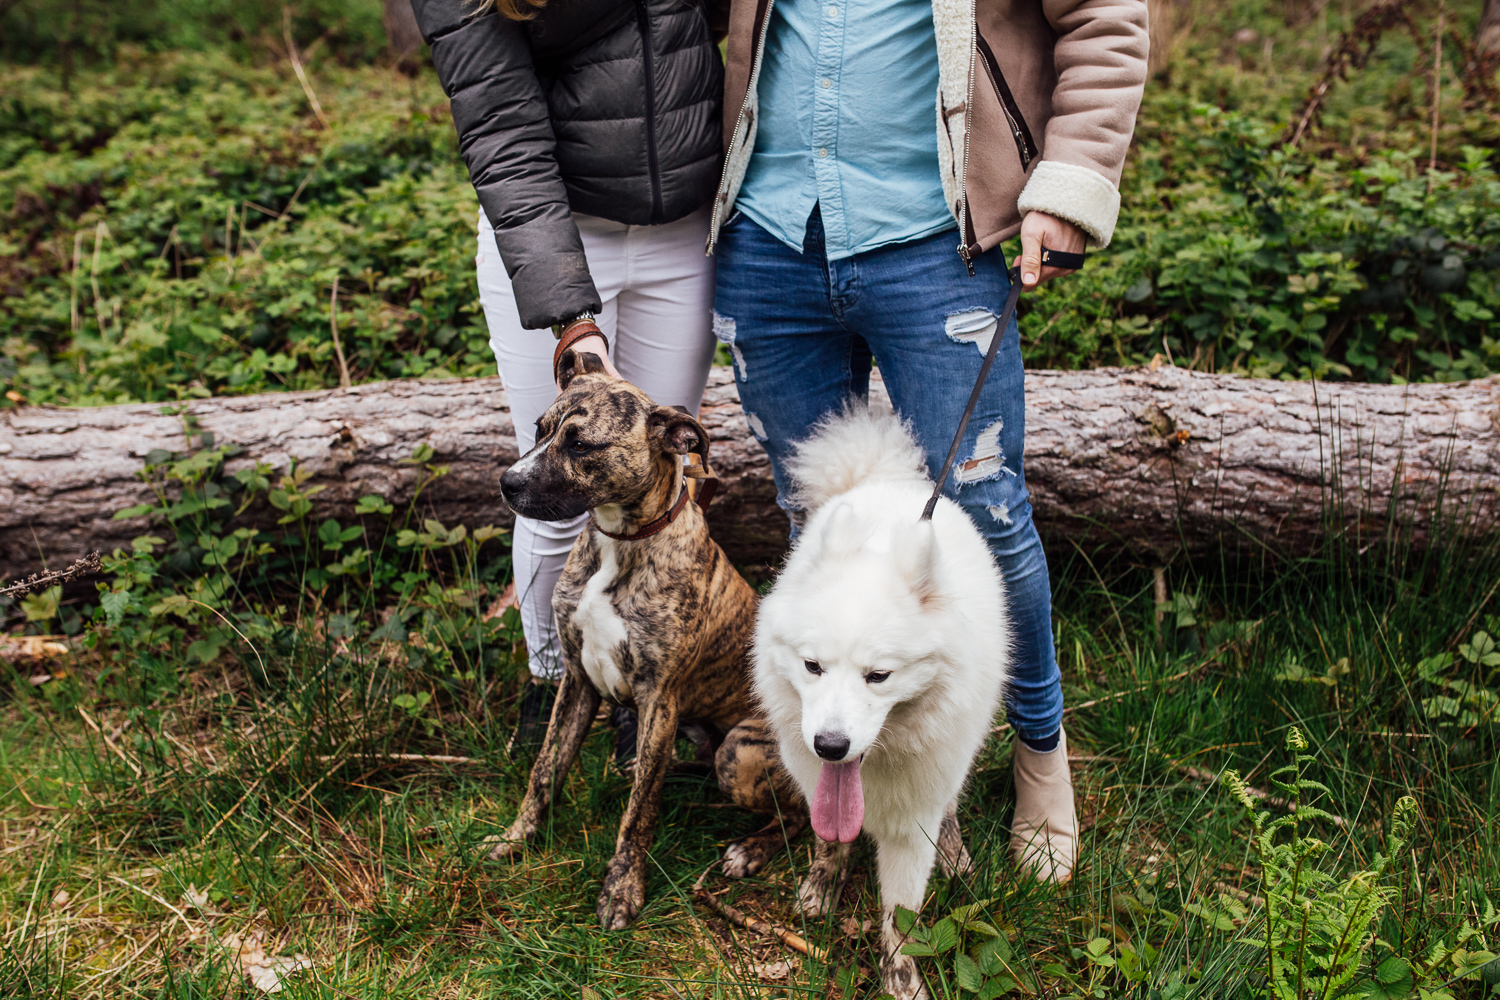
(984, 374)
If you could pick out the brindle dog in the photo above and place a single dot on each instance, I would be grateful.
(661, 623)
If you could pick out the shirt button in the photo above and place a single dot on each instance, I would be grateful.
(831, 10)
(826, 83)
(823, 152)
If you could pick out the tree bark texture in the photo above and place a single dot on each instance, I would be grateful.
(1150, 461)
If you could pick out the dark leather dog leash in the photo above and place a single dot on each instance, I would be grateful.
(1052, 258)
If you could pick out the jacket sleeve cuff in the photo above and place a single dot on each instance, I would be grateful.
(552, 289)
(1075, 194)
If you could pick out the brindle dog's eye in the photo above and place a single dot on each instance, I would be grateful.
(813, 668)
(580, 447)
(877, 677)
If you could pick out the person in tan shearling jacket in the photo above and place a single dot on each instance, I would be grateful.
(877, 153)
(1054, 86)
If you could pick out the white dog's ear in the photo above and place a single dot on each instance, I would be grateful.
(844, 535)
(916, 556)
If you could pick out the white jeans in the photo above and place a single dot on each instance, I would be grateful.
(657, 286)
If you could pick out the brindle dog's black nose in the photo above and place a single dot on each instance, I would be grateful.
(510, 484)
(831, 746)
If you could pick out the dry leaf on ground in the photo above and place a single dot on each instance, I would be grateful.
(266, 973)
(23, 648)
(772, 970)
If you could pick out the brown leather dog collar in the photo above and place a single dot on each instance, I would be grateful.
(651, 527)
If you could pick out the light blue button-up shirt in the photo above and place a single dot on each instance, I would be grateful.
(847, 122)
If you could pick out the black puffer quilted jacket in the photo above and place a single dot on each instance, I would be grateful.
(555, 114)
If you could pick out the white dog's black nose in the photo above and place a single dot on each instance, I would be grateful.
(831, 746)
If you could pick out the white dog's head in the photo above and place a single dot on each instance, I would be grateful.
(854, 633)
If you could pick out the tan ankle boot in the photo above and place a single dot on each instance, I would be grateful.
(1044, 833)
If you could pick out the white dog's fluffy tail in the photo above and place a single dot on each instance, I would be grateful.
(849, 448)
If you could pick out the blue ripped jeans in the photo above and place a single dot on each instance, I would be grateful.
(803, 330)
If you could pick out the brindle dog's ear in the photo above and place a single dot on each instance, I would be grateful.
(677, 431)
(575, 363)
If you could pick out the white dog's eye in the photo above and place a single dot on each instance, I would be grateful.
(813, 668)
(877, 677)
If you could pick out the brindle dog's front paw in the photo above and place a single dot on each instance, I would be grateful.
(623, 896)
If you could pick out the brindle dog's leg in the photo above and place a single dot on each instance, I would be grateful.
(953, 856)
(572, 714)
(753, 778)
(625, 881)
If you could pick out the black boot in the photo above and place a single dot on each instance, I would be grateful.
(536, 714)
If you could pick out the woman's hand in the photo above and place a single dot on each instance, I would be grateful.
(595, 344)
(1039, 230)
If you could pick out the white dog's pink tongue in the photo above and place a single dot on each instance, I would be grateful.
(838, 806)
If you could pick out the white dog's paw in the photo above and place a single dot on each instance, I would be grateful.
(900, 977)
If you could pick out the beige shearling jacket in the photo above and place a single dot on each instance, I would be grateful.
(1035, 108)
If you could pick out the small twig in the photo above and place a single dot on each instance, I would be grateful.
(418, 758)
(333, 324)
(99, 314)
(792, 940)
(109, 742)
(40, 581)
(291, 48)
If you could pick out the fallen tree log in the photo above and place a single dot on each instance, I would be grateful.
(1155, 461)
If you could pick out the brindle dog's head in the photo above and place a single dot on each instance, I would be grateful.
(602, 442)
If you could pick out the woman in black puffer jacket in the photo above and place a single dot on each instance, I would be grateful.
(591, 129)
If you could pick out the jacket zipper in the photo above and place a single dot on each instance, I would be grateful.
(739, 124)
(1019, 131)
(657, 212)
(963, 180)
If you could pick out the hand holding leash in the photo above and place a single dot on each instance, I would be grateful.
(1050, 248)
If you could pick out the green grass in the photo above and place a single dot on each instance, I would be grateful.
(269, 792)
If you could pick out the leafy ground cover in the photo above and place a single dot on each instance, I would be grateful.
(277, 752)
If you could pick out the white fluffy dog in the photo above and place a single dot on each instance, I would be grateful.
(880, 656)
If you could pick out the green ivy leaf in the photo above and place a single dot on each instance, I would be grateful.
(373, 503)
(206, 650)
(136, 511)
(114, 603)
(966, 971)
(998, 987)
(43, 605)
(943, 936)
